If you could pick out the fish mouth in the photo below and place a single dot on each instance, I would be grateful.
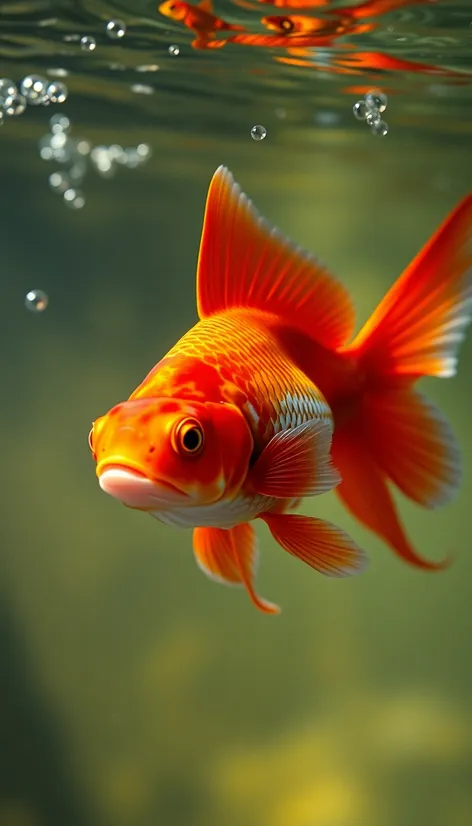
(135, 490)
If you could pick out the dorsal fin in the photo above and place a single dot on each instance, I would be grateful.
(244, 262)
(206, 5)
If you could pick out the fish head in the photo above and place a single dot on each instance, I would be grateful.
(299, 24)
(174, 9)
(165, 453)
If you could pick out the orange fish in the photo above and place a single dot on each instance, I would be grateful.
(290, 43)
(264, 401)
(297, 4)
(199, 19)
(302, 24)
(354, 63)
(375, 61)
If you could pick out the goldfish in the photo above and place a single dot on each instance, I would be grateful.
(353, 63)
(199, 19)
(298, 24)
(369, 8)
(297, 4)
(291, 43)
(271, 398)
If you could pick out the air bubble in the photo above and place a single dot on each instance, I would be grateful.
(360, 109)
(34, 89)
(258, 132)
(151, 67)
(174, 50)
(57, 72)
(88, 43)
(74, 198)
(370, 109)
(132, 158)
(59, 182)
(7, 89)
(57, 91)
(144, 151)
(141, 89)
(376, 100)
(59, 123)
(77, 172)
(36, 301)
(115, 152)
(380, 128)
(372, 117)
(14, 105)
(83, 148)
(45, 148)
(102, 161)
(116, 29)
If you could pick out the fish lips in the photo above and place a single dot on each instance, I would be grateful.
(135, 490)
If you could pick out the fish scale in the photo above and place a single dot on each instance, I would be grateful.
(244, 353)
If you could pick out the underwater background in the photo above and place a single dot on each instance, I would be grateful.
(134, 691)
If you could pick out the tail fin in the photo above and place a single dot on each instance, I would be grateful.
(397, 435)
(417, 328)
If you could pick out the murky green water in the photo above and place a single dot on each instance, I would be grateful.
(135, 692)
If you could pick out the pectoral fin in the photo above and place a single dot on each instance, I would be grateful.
(296, 463)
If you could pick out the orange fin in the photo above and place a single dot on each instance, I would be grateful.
(320, 544)
(231, 557)
(206, 5)
(414, 445)
(418, 327)
(364, 490)
(244, 262)
(296, 463)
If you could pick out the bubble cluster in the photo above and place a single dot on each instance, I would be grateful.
(36, 301)
(7, 88)
(370, 110)
(14, 105)
(258, 132)
(34, 90)
(174, 51)
(77, 156)
(11, 102)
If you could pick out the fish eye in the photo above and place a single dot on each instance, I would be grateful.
(286, 24)
(188, 437)
(90, 442)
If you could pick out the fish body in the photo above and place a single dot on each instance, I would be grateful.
(199, 18)
(268, 399)
(297, 4)
(298, 24)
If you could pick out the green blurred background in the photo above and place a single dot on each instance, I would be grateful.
(134, 691)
